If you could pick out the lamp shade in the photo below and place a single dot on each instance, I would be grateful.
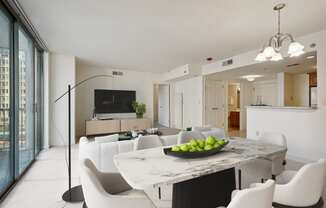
(260, 57)
(269, 52)
(277, 57)
(295, 48)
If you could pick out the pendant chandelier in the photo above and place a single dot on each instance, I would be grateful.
(272, 50)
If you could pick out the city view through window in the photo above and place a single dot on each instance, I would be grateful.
(19, 120)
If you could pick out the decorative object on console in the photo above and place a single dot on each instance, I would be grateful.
(273, 49)
(140, 108)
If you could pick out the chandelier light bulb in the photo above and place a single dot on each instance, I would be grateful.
(277, 57)
(260, 57)
(269, 52)
(295, 48)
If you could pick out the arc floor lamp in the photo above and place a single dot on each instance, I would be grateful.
(74, 194)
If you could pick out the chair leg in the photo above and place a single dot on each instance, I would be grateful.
(274, 177)
(262, 180)
(159, 193)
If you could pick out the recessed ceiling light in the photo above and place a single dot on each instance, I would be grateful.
(251, 78)
(310, 57)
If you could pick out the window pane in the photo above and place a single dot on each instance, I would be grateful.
(6, 175)
(25, 101)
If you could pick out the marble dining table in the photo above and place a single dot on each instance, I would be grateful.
(202, 182)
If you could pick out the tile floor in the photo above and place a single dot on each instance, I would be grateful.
(43, 185)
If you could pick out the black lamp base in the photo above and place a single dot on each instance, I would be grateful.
(75, 194)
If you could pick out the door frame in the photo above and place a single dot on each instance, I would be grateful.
(169, 104)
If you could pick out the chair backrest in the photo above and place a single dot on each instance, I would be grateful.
(218, 133)
(258, 197)
(277, 139)
(107, 138)
(307, 185)
(201, 128)
(186, 136)
(169, 140)
(92, 186)
(146, 142)
(101, 154)
(273, 138)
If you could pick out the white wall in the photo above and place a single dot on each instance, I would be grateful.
(62, 73)
(141, 82)
(192, 91)
(267, 90)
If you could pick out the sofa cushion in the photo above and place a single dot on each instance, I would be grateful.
(108, 138)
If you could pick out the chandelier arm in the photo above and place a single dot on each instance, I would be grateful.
(288, 35)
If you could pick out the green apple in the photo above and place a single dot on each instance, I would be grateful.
(208, 147)
(216, 145)
(201, 143)
(175, 149)
(198, 149)
(193, 143)
(221, 142)
(184, 148)
(192, 149)
(210, 140)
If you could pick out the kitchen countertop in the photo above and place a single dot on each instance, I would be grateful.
(298, 108)
(152, 168)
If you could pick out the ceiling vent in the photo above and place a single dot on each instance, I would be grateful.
(117, 73)
(227, 62)
(292, 65)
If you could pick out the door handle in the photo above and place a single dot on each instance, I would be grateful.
(214, 108)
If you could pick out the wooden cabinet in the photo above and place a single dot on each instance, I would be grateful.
(313, 79)
(100, 127)
(96, 127)
(135, 124)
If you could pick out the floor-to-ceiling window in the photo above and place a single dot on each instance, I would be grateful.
(6, 156)
(25, 89)
(21, 104)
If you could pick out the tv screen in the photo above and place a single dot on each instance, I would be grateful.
(114, 101)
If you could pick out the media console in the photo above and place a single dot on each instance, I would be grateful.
(100, 127)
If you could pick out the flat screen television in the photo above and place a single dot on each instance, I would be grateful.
(114, 101)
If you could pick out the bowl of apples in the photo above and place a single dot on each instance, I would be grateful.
(197, 148)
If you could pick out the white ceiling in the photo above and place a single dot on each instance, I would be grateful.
(269, 69)
(159, 35)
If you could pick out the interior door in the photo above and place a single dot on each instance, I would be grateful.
(164, 105)
(214, 103)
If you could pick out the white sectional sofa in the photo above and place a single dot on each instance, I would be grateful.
(101, 153)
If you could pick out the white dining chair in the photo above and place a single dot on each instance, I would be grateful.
(102, 190)
(258, 196)
(186, 136)
(301, 189)
(146, 142)
(278, 162)
(201, 128)
(218, 133)
(262, 169)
